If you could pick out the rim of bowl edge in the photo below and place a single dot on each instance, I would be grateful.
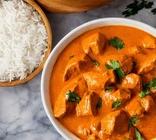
(68, 38)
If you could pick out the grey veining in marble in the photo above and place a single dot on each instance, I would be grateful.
(21, 112)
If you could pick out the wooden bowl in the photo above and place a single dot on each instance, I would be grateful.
(68, 6)
(49, 47)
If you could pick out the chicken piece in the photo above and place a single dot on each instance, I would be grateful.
(148, 42)
(95, 126)
(62, 106)
(134, 107)
(77, 85)
(111, 123)
(130, 135)
(127, 63)
(147, 103)
(109, 75)
(134, 50)
(138, 106)
(147, 64)
(122, 95)
(83, 131)
(87, 105)
(132, 81)
(103, 136)
(96, 80)
(76, 65)
(124, 136)
(147, 77)
(153, 93)
(92, 137)
(94, 43)
(80, 86)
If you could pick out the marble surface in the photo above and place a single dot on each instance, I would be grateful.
(21, 112)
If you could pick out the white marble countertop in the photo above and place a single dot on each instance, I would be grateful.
(21, 112)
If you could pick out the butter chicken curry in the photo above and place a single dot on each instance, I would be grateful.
(103, 85)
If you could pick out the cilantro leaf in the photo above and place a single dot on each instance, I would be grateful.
(95, 62)
(132, 121)
(109, 89)
(144, 93)
(147, 87)
(117, 43)
(120, 72)
(138, 135)
(112, 64)
(115, 65)
(116, 104)
(72, 97)
(137, 5)
(99, 103)
(152, 84)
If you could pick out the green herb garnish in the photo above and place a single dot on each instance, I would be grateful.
(151, 84)
(96, 63)
(144, 93)
(137, 5)
(120, 73)
(99, 103)
(116, 104)
(115, 65)
(109, 89)
(153, 11)
(72, 97)
(138, 135)
(147, 87)
(117, 43)
(132, 121)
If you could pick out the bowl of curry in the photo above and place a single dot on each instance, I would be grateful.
(99, 82)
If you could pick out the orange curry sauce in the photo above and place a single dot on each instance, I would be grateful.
(106, 122)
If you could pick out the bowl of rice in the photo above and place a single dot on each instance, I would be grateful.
(25, 38)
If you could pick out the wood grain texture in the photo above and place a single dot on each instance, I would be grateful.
(69, 6)
(49, 47)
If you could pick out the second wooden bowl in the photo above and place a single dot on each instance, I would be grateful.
(69, 6)
(49, 47)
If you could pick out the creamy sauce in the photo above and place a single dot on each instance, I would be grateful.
(132, 37)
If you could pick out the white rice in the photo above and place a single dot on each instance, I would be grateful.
(23, 40)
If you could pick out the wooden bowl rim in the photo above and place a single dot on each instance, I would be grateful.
(67, 9)
(47, 52)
